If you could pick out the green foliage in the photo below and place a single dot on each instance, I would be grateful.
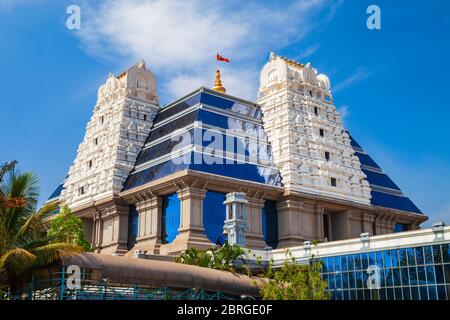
(225, 258)
(294, 281)
(23, 239)
(67, 228)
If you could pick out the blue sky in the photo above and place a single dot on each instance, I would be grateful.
(391, 85)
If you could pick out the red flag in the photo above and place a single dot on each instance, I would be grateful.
(220, 58)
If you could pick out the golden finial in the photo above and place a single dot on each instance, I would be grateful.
(218, 83)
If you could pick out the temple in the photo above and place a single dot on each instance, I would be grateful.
(156, 178)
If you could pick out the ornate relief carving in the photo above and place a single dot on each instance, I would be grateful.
(310, 145)
(117, 130)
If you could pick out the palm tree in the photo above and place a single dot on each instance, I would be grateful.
(23, 240)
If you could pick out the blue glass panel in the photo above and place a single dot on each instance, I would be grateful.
(403, 258)
(337, 263)
(357, 260)
(353, 142)
(324, 265)
(437, 256)
(169, 127)
(389, 278)
(398, 294)
(387, 259)
(165, 113)
(428, 255)
(390, 294)
(406, 293)
(404, 276)
(170, 217)
(214, 214)
(393, 201)
(351, 280)
(397, 277)
(219, 102)
(415, 293)
(419, 256)
(365, 159)
(441, 293)
(380, 179)
(372, 258)
(431, 279)
(446, 253)
(432, 294)
(423, 293)
(412, 275)
(439, 272)
(380, 262)
(57, 192)
(394, 258)
(421, 275)
(344, 264)
(411, 256)
(351, 262)
(270, 223)
(365, 261)
(133, 227)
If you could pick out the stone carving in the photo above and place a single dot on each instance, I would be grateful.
(310, 145)
(122, 118)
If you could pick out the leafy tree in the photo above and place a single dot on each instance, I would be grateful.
(23, 240)
(67, 228)
(226, 258)
(294, 281)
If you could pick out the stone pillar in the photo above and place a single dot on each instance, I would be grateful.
(354, 224)
(191, 230)
(318, 220)
(253, 230)
(97, 227)
(367, 222)
(114, 229)
(149, 208)
(289, 223)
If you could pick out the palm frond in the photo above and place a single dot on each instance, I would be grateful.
(17, 260)
(50, 253)
(34, 220)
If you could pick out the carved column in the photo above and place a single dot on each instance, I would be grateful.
(114, 229)
(254, 232)
(191, 230)
(289, 223)
(149, 207)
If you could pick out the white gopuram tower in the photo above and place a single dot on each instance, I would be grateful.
(310, 145)
(236, 218)
(122, 118)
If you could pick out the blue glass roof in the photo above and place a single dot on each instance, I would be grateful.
(237, 124)
(57, 192)
(385, 193)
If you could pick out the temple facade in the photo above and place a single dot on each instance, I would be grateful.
(156, 178)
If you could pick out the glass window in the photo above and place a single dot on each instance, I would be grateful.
(411, 256)
(352, 280)
(387, 259)
(437, 254)
(351, 262)
(432, 294)
(357, 260)
(415, 293)
(170, 217)
(398, 294)
(397, 277)
(406, 293)
(419, 256)
(270, 223)
(412, 275)
(394, 258)
(439, 271)
(421, 275)
(428, 255)
(446, 252)
(214, 212)
(379, 255)
(431, 279)
(441, 293)
(423, 293)
(337, 263)
(404, 276)
(403, 258)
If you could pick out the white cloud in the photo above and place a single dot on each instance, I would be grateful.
(344, 111)
(360, 74)
(178, 39)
